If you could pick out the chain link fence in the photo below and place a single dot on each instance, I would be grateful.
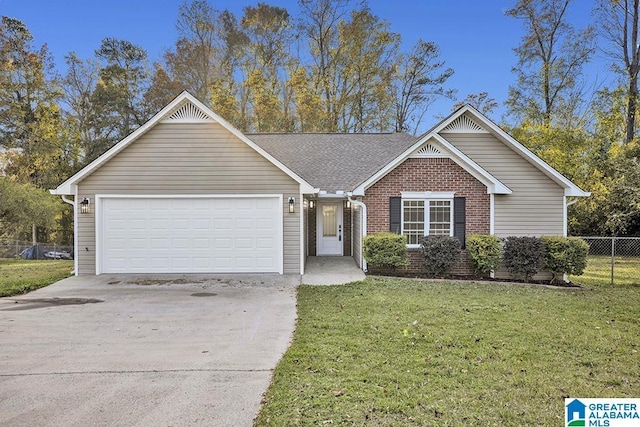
(614, 260)
(27, 250)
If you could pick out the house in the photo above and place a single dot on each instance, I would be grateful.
(576, 411)
(189, 193)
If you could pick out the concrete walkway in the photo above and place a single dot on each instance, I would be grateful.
(328, 270)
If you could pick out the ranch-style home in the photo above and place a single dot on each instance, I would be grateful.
(189, 193)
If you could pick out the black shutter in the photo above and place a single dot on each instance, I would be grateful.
(395, 214)
(459, 218)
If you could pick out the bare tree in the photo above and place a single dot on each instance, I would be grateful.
(320, 25)
(550, 60)
(619, 20)
(420, 78)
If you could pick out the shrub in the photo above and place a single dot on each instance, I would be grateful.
(565, 255)
(439, 254)
(385, 250)
(524, 256)
(485, 253)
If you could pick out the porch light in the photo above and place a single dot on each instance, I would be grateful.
(84, 205)
(292, 202)
(311, 204)
(347, 204)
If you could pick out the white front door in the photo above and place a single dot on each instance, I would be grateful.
(329, 229)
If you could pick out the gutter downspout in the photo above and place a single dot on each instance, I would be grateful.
(572, 202)
(363, 262)
(566, 215)
(75, 252)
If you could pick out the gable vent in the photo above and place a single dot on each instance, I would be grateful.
(188, 113)
(428, 150)
(464, 124)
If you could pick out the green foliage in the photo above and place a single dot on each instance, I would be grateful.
(485, 252)
(524, 256)
(439, 254)
(565, 255)
(118, 97)
(385, 250)
(24, 205)
(614, 205)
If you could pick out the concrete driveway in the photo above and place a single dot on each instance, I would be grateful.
(143, 351)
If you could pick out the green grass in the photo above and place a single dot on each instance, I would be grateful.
(598, 271)
(389, 352)
(18, 276)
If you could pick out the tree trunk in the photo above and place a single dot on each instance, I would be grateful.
(633, 66)
(34, 234)
(632, 104)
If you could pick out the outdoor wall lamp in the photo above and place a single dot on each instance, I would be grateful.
(347, 204)
(84, 205)
(311, 204)
(292, 202)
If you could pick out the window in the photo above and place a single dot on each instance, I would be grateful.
(426, 216)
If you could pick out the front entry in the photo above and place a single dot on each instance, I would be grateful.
(329, 228)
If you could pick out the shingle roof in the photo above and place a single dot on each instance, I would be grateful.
(334, 161)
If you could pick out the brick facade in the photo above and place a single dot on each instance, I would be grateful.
(429, 174)
(311, 230)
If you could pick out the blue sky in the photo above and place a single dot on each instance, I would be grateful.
(475, 37)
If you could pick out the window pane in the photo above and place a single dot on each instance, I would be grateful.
(440, 217)
(413, 226)
(329, 224)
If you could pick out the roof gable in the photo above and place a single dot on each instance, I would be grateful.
(433, 145)
(470, 114)
(469, 120)
(184, 109)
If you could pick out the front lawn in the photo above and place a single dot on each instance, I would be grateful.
(18, 276)
(390, 352)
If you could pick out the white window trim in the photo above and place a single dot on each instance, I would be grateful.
(426, 197)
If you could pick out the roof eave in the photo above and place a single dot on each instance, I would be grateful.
(575, 191)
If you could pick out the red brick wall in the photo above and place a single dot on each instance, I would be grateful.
(346, 235)
(429, 175)
(311, 229)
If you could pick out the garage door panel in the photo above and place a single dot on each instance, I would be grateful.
(244, 243)
(265, 243)
(147, 235)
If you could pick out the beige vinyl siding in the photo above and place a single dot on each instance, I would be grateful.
(188, 158)
(535, 208)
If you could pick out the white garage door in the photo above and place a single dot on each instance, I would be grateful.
(190, 235)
